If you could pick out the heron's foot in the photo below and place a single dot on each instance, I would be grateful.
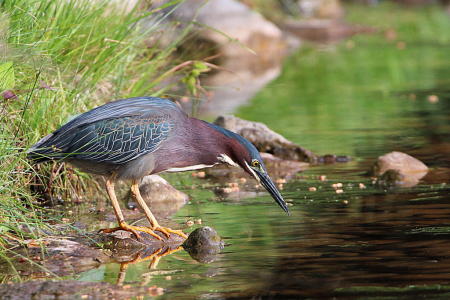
(168, 231)
(134, 230)
(149, 230)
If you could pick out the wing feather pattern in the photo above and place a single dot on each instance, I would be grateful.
(115, 133)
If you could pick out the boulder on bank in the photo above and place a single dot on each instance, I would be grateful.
(229, 19)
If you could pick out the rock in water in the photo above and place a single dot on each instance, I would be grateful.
(395, 177)
(403, 169)
(203, 244)
(156, 188)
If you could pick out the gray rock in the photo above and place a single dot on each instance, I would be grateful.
(264, 139)
(156, 188)
(232, 19)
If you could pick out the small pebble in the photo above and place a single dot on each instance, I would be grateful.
(312, 189)
(433, 98)
(231, 189)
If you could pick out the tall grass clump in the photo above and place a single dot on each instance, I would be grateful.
(58, 59)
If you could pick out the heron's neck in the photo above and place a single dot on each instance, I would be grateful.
(200, 146)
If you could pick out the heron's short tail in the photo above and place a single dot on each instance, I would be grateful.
(40, 152)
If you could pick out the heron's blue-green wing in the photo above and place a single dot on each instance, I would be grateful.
(116, 132)
(119, 140)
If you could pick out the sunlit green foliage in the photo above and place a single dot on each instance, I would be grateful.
(58, 59)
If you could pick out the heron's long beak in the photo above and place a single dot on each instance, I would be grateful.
(270, 187)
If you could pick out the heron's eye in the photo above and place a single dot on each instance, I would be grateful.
(255, 163)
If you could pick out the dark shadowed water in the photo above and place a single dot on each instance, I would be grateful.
(363, 97)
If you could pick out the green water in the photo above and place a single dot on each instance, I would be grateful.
(345, 98)
(362, 97)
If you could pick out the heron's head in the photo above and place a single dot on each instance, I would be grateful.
(243, 154)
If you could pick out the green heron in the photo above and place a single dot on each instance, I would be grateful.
(135, 137)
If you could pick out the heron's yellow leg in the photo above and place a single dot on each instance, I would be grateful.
(119, 215)
(155, 226)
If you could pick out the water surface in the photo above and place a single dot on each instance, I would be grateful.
(363, 97)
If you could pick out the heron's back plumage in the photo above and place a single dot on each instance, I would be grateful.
(114, 133)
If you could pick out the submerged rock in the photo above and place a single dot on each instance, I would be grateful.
(395, 177)
(397, 168)
(203, 244)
